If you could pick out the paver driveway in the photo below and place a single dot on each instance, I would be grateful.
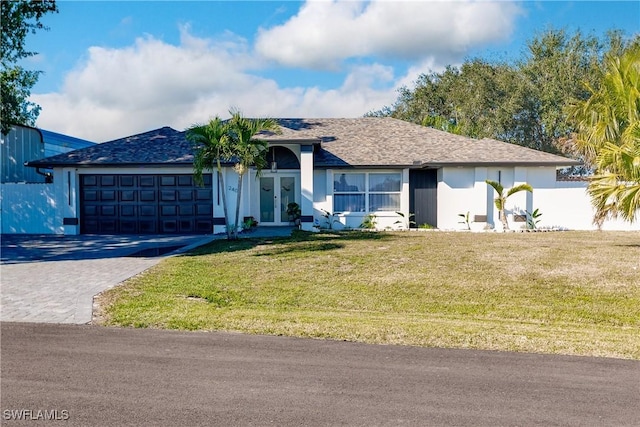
(53, 279)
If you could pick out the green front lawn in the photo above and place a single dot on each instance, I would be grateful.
(557, 292)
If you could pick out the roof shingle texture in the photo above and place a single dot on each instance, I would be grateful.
(359, 142)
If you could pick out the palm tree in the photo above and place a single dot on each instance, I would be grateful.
(232, 141)
(501, 200)
(608, 136)
(247, 150)
(212, 146)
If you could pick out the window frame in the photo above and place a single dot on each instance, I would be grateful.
(367, 192)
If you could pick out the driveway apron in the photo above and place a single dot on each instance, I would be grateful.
(53, 279)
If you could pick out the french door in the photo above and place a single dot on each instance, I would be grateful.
(276, 192)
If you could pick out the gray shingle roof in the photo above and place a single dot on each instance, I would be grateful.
(359, 142)
(164, 146)
(378, 142)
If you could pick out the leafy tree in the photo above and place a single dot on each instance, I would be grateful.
(247, 150)
(19, 18)
(553, 74)
(501, 199)
(230, 141)
(522, 102)
(608, 135)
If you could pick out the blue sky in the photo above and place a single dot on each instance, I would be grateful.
(116, 68)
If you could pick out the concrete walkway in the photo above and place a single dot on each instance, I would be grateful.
(53, 279)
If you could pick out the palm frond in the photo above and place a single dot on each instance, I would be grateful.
(518, 188)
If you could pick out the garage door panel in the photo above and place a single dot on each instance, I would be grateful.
(127, 180)
(129, 227)
(204, 226)
(185, 181)
(186, 210)
(128, 210)
(167, 195)
(108, 226)
(108, 195)
(185, 195)
(169, 226)
(128, 195)
(145, 204)
(204, 210)
(204, 194)
(147, 196)
(91, 226)
(147, 227)
(89, 180)
(90, 195)
(108, 211)
(148, 210)
(170, 210)
(107, 180)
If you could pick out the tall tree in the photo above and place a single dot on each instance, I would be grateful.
(247, 150)
(521, 102)
(212, 147)
(232, 141)
(19, 18)
(554, 72)
(608, 135)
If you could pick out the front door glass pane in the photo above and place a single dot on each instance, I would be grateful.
(287, 195)
(267, 200)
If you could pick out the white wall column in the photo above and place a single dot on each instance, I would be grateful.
(520, 202)
(306, 187)
(68, 200)
(482, 199)
(218, 207)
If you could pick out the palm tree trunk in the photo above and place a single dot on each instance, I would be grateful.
(224, 202)
(239, 197)
(503, 218)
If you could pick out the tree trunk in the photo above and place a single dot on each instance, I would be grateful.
(235, 231)
(503, 218)
(224, 202)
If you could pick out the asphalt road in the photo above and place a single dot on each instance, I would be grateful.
(93, 376)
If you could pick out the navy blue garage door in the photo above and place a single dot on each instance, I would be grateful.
(145, 204)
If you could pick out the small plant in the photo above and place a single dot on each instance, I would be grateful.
(501, 199)
(293, 212)
(426, 226)
(369, 222)
(465, 220)
(406, 222)
(249, 223)
(533, 219)
(330, 218)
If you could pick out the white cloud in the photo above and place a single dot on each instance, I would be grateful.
(115, 92)
(324, 33)
(120, 92)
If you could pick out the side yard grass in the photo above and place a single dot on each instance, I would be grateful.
(559, 292)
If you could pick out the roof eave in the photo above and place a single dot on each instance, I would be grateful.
(36, 164)
(569, 162)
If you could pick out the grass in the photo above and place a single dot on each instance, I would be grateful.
(561, 292)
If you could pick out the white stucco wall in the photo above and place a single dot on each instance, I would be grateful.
(563, 204)
(323, 202)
